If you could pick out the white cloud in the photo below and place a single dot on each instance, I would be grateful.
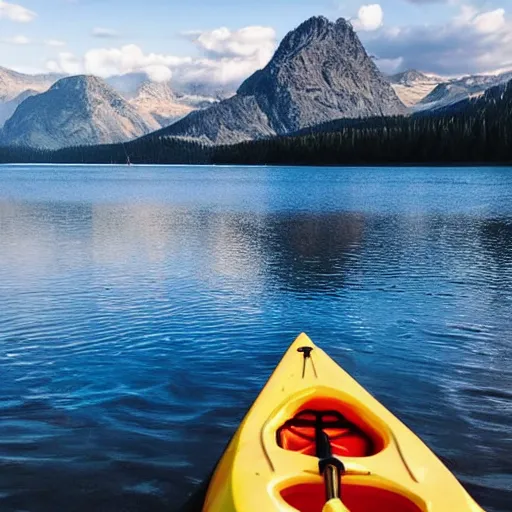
(130, 58)
(104, 33)
(55, 42)
(228, 58)
(255, 41)
(390, 66)
(472, 42)
(67, 63)
(15, 12)
(369, 17)
(489, 22)
(158, 73)
(466, 14)
(16, 40)
(23, 40)
(225, 71)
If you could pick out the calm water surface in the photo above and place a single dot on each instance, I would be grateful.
(142, 309)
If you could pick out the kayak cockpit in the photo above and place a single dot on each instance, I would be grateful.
(357, 497)
(350, 436)
(352, 432)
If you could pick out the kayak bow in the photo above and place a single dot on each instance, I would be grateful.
(315, 440)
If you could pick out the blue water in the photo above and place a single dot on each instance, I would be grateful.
(142, 309)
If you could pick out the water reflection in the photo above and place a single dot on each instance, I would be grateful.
(134, 334)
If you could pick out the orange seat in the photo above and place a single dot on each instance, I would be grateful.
(299, 434)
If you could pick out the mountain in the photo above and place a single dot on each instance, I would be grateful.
(473, 131)
(79, 110)
(12, 83)
(8, 108)
(159, 106)
(320, 72)
(193, 95)
(412, 86)
(409, 77)
(16, 87)
(494, 102)
(456, 90)
(158, 102)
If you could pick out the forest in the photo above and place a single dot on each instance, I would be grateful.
(476, 131)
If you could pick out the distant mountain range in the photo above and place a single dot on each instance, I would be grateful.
(423, 92)
(456, 90)
(473, 131)
(319, 74)
(56, 112)
(156, 103)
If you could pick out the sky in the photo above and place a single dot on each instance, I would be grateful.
(223, 41)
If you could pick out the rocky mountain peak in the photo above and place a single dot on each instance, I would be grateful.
(158, 104)
(76, 110)
(312, 36)
(156, 91)
(412, 85)
(86, 84)
(408, 77)
(313, 29)
(319, 72)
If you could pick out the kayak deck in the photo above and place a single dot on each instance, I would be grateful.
(270, 464)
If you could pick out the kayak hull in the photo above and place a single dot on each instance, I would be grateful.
(257, 474)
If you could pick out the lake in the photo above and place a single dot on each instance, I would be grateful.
(143, 308)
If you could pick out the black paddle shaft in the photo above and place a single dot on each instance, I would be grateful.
(330, 467)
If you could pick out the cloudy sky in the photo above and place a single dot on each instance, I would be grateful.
(223, 41)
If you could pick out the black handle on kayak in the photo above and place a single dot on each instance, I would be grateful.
(330, 467)
(306, 353)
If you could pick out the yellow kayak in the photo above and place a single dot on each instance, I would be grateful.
(316, 441)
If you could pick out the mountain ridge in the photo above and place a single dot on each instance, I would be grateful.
(476, 131)
(320, 71)
(75, 110)
(158, 104)
(14, 83)
(455, 90)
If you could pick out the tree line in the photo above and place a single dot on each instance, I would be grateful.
(475, 131)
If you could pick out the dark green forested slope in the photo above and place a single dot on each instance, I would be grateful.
(141, 151)
(472, 131)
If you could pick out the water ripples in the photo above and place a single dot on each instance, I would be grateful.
(141, 315)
